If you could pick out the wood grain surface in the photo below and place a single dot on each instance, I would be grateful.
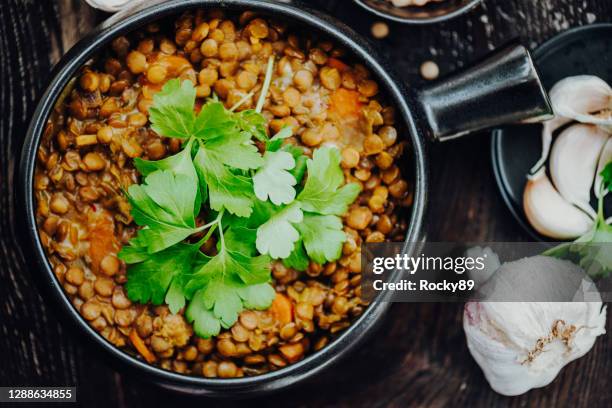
(419, 357)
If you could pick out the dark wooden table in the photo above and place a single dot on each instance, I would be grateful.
(419, 357)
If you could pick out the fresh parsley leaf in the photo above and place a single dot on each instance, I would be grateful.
(172, 114)
(219, 288)
(214, 121)
(258, 297)
(606, 174)
(164, 205)
(205, 324)
(298, 259)
(321, 194)
(323, 237)
(231, 267)
(150, 277)
(253, 123)
(225, 189)
(276, 141)
(219, 304)
(134, 252)
(224, 301)
(277, 236)
(241, 239)
(180, 163)
(236, 151)
(300, 161)
(300, 168)
(273, 179)
(592, 250)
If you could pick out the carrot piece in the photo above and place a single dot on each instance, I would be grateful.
(345, 102)
(102, 239)
(141, 347)
(282, 309)
(336, 63)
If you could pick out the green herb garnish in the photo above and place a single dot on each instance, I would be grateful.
(592, 250)
(258, 209)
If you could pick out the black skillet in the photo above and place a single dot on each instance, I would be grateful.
(584, 50)
(503, 88)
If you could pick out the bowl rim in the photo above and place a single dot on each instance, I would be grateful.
(421, 21)
(130, 20)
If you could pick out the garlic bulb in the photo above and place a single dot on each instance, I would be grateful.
(573, 161)
(524, 345)
(491, 264)
(575, 98)
(604, 158)
(549, 213)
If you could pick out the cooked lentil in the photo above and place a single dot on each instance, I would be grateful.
(84, 165)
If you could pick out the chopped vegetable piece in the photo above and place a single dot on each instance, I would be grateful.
(336, 63)
(141, 347)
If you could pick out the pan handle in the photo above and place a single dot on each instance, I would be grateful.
(503, 88)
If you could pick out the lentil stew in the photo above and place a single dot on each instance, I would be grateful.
(85, 163)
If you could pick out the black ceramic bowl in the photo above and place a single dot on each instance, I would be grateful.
(585, 50)
(434, 12)
(452, 107)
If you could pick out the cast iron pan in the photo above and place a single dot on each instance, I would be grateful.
(584, 50)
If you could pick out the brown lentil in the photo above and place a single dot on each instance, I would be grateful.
(89, 82)
(136, 62)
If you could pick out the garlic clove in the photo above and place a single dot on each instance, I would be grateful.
(573, 161)
(575, 98)
(604, 158)
(524, 345)
(578, 97)
(549, 213)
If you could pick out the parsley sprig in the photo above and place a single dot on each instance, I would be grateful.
(592, 250)
(258, 208)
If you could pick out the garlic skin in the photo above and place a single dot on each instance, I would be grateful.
(573, 161)
(604, 158)
(549, 213)
(547, 135)
(524, 345)
(574, 98)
